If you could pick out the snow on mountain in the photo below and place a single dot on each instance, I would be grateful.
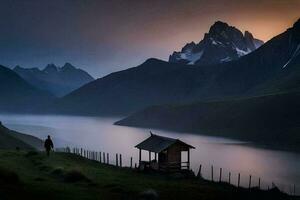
(222, 43)
(296, 53)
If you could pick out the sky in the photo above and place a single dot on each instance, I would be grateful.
(103, 36)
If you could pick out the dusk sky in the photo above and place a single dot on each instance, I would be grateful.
(106, 36)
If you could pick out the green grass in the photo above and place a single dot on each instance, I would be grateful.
(65, 176)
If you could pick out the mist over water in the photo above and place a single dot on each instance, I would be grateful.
(99, 134)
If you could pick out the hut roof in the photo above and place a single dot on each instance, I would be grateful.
(156, 143)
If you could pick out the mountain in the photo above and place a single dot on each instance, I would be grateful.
(11, 140)
(17, 95)
(271, 119)
(273, 68)
(222, 43)
(266, 111)
(57, 80)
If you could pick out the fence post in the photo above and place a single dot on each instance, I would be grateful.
(116, 159)
(220, 178)
(259, 183)
(229, 176)
(250, 181)
(100, 158)
(81, 151)
(294, 189)
(199, 172)
(120, 160)
(104, 157)
(212, 173)
(107, 160)
(239, 179)
(130, 162)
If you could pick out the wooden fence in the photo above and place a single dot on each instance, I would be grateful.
(216, 174)
(101, 157)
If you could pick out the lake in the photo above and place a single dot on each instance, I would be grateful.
(99, 134)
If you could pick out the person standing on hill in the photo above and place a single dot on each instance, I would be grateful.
(48, 145)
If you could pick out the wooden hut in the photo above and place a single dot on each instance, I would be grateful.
(167, 153)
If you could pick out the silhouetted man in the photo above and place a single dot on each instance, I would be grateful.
(48, 145)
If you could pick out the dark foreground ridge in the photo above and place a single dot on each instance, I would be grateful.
(68, 176)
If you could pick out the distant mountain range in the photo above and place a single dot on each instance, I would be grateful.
(253, 96)
(273, 72)
(222, 43)
(59, 81)
(270, 69)
(17, 95)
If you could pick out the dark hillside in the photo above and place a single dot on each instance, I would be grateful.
(272, 119)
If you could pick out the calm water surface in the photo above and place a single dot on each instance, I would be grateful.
(99, 134)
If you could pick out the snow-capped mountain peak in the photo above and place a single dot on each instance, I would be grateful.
(222, 43)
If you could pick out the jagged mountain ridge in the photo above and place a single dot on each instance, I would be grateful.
(17, 95)
(222, 43)
(269, 114)
(57, 80)
(157, 82)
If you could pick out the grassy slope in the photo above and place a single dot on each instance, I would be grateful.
(29, 139)
(43, 178)
(11, 140)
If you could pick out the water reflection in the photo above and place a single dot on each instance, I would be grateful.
(99, 134)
